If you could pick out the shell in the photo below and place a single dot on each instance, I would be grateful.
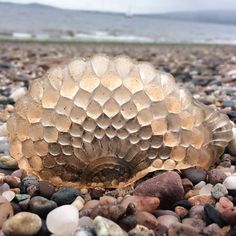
(110, 121)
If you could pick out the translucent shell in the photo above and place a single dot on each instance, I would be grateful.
(110, 121)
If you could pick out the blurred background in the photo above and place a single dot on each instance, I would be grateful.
(146, 21)
(194, 40)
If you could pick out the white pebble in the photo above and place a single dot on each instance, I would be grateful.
(18, 93)
(206, 190)
(200, 185)
(9, 195)
(78, 203)
(230, 182)
(63, 220)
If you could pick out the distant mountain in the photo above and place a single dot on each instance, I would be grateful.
(211, 16)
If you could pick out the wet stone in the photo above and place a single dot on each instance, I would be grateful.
(65, 195)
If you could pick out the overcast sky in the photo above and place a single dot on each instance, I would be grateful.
(138, 6)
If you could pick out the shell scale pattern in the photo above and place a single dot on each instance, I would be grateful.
(109, 121)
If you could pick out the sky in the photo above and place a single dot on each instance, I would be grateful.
(138, 6)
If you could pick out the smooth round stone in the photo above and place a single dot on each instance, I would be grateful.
(41, 206)
(8, 163)
(105, 227)
(46, 188)
(9, 195)
(4, 187)
(195, 175)
(23, 223)
(6, 211)
(214, 215)
(11, 181)
(197, 212)
(167, 220)
(63, 220)
(206, 190)
(65, 195)
(230, 182)
(200, 185)
(218, 191)
(229, 216)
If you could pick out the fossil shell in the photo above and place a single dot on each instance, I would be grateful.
(110, 121)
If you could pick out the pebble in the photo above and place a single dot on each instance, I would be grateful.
(197, 212)
(78, 203)
(46, 189)
(20, 173)
(197, 224)
(41, 206)
(22, 197)
(229, 216)
(4, 187)
(6, 211)
(178, 229)
(216, 176)
(18, 93)
(183, 203)
(223, 204)
(141, 230)
(214, 215)
(9, 195)
(128, 222)
(3, 130)
(11, 181)
(63, 220)
(218, 191)
(166, 186)
(199, 185)
(230, 182)
(106, 227)
(23, 223)
(206, 190)
(167, 220)
(27, 182)
(181, 211)
(8, 163)
(201, 200)
(111, 211)
(146, 219)
(195, 175)
(65, 195)
(212, 230)
(187, 184)
(142, 203)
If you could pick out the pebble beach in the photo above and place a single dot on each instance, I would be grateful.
(190, 202)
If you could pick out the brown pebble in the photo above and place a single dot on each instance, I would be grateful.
(146, 219)
(178, 229)
(107, 200)
(229, 216)
(187, 184)
(11, 181)
(201, 200)
(20, 173)
(142, 203)
(6, 211)
(46, 189)
(181, 211)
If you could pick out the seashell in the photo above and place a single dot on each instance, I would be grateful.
(109, 122)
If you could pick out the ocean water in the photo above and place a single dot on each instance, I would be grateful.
(113, 27)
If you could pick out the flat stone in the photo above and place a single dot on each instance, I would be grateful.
(106, 227)
(166, 186)
(23, 223)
